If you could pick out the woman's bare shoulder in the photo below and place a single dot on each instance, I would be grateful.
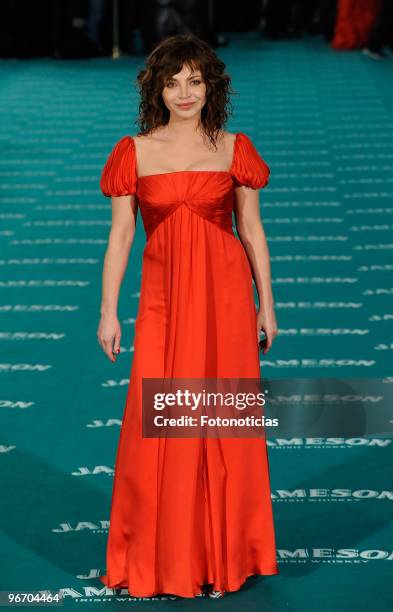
(141, 141)
(143, 137)
(147, 142)
(229, 143)
(229, 139)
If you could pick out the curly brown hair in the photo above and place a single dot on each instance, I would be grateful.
(167, 59)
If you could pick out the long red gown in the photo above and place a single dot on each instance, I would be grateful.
(189, 511)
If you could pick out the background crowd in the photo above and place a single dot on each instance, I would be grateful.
(92, 28)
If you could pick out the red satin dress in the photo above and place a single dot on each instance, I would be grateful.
(189, 511)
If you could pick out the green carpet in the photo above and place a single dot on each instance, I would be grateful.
(323, 121)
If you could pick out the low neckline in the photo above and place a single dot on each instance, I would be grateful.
(228, 172)
(139, 178)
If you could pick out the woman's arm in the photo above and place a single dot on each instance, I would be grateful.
(252, 235)
(121, 237)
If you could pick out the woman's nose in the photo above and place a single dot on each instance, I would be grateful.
(184, 93)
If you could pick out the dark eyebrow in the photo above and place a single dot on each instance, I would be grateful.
(190, 77)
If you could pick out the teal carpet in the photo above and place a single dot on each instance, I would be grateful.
(323, 121)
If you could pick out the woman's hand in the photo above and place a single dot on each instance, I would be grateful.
(266, 322)
(109, 335)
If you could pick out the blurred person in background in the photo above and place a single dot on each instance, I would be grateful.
(354, 22)
(84, 28)
(326, 18)
(289, 18)
(69, 27)
(381, 34)
(161, 18)
(95, 17)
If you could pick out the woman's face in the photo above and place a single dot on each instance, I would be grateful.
(185, 88)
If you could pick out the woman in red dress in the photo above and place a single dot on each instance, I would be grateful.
(188, 514)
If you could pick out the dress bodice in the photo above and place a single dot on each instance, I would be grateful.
(208, 193)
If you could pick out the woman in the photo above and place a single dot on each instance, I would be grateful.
(188, 514)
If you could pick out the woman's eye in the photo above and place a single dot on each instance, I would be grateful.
(194, 81)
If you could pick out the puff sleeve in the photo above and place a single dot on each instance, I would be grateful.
(248, 168)
(118, 177)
